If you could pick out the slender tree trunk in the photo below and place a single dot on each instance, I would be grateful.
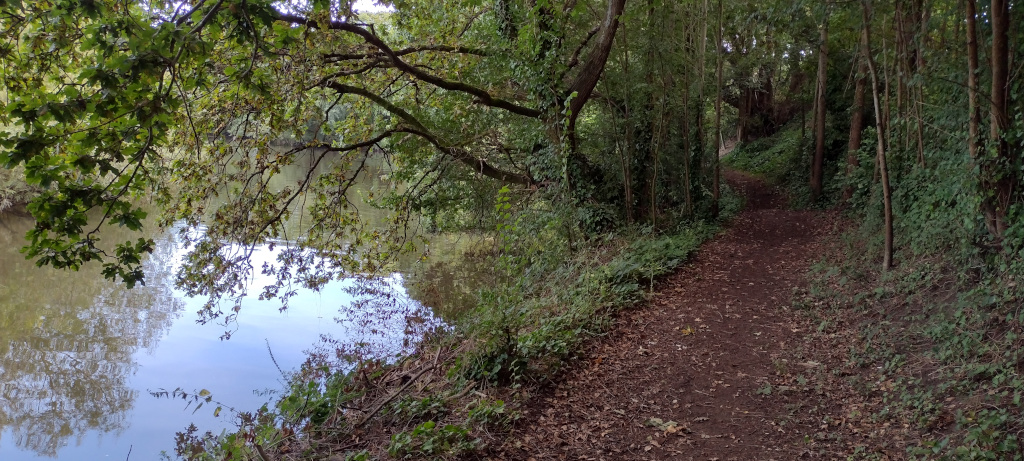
(974, 141)
(919, 101)
(922, 41)
(818, 163)
(803, 121)
(856, 123)
(887, 91)
(627, 160)
(997, 173)
(657, 123)
(886, 193)
(702, 136)
(687, 150)
(900, 69)
(687, 147)
(716, 174)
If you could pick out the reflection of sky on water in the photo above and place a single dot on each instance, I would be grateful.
(78, 355)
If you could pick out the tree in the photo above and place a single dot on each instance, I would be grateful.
(189, 99)
(880, 129)
(974, 123)
(856, 122)
(818, 163)
(1000, 175)
(717, 152)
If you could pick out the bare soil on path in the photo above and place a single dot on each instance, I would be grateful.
(697, 372)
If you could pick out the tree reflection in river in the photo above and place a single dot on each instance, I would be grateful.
(71, 371)
(382, 301)
(68, 340)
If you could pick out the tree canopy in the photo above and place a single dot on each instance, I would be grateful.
(604, 110)
(110, 101)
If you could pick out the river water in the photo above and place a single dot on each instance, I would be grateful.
(81, 357)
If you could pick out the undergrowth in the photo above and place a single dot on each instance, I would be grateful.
(937, 342)
(784, 160)
(942, 349)
(939, 339)
(462, 388)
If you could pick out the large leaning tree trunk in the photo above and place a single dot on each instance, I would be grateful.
(586, 79)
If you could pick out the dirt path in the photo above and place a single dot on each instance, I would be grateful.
(694, 374)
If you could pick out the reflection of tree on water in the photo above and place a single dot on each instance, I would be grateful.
(67, 341)
(450, 286)
(380, 308)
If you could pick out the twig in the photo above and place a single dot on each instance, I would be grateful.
(272, 359)
(392, 396)
(259, 450)
(463, 392)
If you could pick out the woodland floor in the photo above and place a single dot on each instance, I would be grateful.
(716, 365)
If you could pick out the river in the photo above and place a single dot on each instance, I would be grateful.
(81, 357)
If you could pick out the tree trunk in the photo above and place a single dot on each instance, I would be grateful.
(998, 175)
(627, 151)
(687, 150)
(818, 164)
(716, 174)
(922, 41)
(687, 138)
(590, 73)
(886, 193)
(756, 111)
(702, 50)
(919, 101)
(856, 124)
(887, 91)
(974, 141)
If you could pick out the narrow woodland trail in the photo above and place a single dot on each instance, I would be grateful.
(690, 374)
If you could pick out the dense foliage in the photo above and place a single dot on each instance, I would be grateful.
(576, 118)
(107, 101)
(942, 324)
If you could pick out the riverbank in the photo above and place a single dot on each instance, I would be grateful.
(465, 387)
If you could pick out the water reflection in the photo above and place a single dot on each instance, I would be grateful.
(79, 354)
(68, 345)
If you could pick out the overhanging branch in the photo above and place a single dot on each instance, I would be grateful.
(334, 57)
(482, 96)
(417, 128)
(588, 76)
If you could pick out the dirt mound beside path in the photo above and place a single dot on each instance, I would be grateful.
(689, 375)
